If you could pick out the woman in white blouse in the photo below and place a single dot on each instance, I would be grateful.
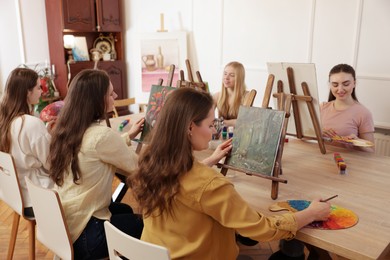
(84, 155)
(22, 135)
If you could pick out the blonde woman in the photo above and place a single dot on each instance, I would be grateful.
(232, 94)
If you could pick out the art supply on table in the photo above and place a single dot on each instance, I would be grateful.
(325, 200)
(218, 125)
(123, 124)
(230, 131)
(224, 133)
(340, 163)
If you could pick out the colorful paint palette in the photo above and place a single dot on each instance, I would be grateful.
(339, 217)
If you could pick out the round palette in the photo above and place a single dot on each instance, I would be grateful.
(51, 111)
(362, 143)
(339, 217)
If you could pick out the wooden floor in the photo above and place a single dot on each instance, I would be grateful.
(259, 252)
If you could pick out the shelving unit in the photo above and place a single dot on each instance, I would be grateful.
(87, 18)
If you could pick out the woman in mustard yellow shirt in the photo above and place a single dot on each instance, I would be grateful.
(189, 207)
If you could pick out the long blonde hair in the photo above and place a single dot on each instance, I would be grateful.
(239, 90)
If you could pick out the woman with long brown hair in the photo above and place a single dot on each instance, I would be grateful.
(189, 207)
(84, 155)
(343, 115)
(23, 135)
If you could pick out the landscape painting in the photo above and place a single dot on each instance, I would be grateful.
(158, 95)
(256, 139)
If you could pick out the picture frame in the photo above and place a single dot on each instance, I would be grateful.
(173, 47)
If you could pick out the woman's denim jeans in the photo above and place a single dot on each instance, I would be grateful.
(92, 243)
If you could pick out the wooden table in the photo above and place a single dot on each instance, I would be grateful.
(365, 189)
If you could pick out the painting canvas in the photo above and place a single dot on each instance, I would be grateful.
(158, 95)
(158, 51)
(303, 72)
(80, 49)
(155, 53)
(256, 139)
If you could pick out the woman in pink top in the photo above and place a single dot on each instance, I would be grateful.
(343, 116)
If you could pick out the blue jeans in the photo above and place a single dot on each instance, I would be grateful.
(92, 243)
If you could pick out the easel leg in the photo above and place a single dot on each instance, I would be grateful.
(275, 190)
(314, 118)
(297, 118)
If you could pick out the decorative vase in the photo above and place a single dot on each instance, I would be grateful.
(160, 59)
(150, 63)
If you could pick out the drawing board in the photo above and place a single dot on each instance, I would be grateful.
(256, 139)
(303, 72)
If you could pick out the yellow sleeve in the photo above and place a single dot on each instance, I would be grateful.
(222, 202)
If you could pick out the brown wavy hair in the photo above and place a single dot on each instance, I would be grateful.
(168, 155)
(346, 69)
(14, 102)
(85, 104)
(239, 90)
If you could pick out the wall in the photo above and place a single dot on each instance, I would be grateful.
(324, 32)
(24, 35)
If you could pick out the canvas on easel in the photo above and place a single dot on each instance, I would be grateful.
(256, 139)
(300, 81)
(158, 95)
(258, 144)
(303, 72)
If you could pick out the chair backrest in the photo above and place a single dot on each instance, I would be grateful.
(121, 244)
(52, 230)
(250, 98)
(9, 184)
(122, 103)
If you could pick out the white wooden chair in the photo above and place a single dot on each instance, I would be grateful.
(52, 230)
(121, 244)
(10, 193)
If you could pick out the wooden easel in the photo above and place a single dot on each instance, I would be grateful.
(277, 170)
(295, 99)
(200, 85)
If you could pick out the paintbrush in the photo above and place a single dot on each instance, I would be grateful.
(325, 200)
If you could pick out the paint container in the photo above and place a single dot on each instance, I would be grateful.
(230, 131)
(224, 133)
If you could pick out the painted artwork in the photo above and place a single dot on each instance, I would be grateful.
(339, 217)
(256, 139)
(158, 51)
(158, 95)
(80, 49)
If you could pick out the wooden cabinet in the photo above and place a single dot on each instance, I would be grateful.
(91, 15)
(115, 69)
(89, 19)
